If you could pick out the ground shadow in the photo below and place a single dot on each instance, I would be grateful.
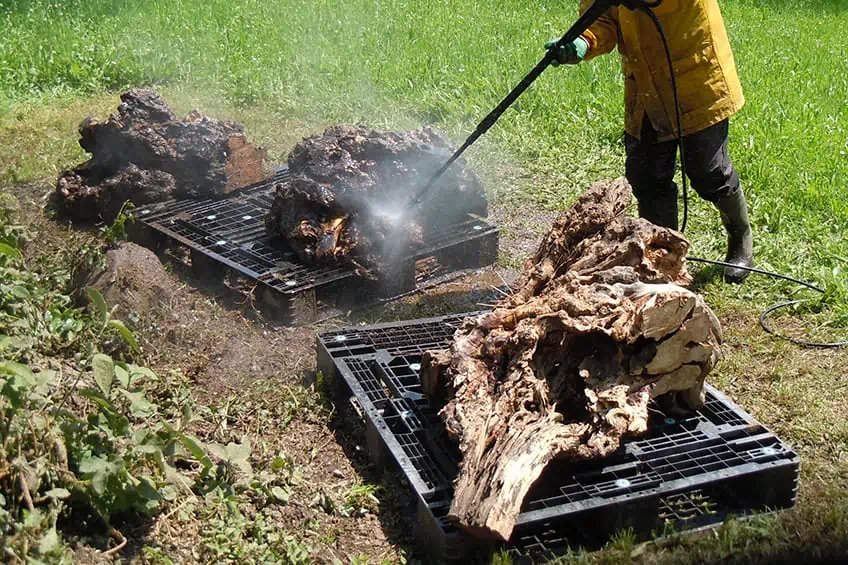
(80, 521)
(226, 291)
(397, 507)
(706, 275)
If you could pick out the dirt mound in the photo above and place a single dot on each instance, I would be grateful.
(145, 154)
(133, 281)
(351, 187)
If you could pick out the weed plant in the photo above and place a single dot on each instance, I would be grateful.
(91, 443)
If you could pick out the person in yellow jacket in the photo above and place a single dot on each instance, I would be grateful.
(709, 93)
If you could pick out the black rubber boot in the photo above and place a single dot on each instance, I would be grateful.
(740, 240)
(660, 208)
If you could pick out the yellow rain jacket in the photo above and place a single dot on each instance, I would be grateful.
(707, 82)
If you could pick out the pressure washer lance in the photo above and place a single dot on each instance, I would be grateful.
(595, 11)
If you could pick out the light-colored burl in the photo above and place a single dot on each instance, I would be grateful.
(566, 366)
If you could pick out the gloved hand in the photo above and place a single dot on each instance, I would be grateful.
(570, 53)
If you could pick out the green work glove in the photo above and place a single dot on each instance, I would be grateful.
(570, 53)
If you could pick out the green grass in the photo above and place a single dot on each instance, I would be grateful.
(402, 63)
(287, 67)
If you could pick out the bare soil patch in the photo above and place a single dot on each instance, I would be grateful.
(521, 231)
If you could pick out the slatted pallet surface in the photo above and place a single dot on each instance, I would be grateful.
(228, 234)
(683, 475)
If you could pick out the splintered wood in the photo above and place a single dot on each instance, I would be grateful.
(566, 366)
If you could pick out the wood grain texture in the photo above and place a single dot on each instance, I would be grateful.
(567, 365)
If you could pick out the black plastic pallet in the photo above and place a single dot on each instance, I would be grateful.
(682, 475)
(229, 234)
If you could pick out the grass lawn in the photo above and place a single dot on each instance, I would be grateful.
(286, 68)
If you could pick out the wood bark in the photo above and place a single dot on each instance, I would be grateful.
(145, 154)
(566, 366)
(348, 199)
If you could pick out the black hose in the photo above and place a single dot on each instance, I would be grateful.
(764, 316)
(758, 271)
(770, 309)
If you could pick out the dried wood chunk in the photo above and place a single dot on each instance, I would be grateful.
(348, 201)
(566, 366)
(145, 154)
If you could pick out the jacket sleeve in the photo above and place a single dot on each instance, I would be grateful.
(602, 36)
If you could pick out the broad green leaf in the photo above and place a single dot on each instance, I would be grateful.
(20, 291)
(187, 414)
(217, 450)
(140, 436)
(93, 464)
(148, 450)
(280, 461)
(29, 471)
(147, 489)
(97, 397)
(17, 370)
(15, 342)
(43, 380)
(122, 375)
(175, 478)
(140, 407)
(33, 519)
(22, 342)
(244, 466)
(238, 454)
(136, 371)
(99, 302)
(147, 507)
(49, 542)
(120, 425)
(234, 453)
(175, 449)
(281, 494)
(125, 333)
(58, 493)
(169, 492)
(102, 421)
(99, 482)
(20, 379)
(238, 451)
(195, 447)
(47, 377)
(9, 251)
(98, 470)
(104, 372)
